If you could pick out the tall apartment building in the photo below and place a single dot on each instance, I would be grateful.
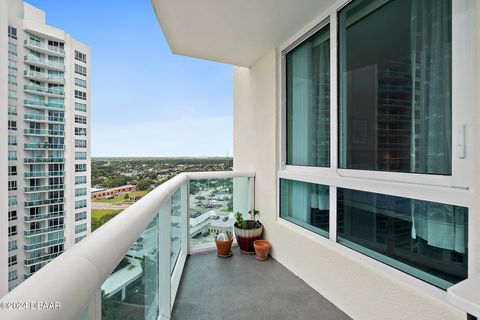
(44, 104)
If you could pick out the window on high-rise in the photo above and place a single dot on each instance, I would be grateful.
(12, 155)
(80, 56)
(12, 231)
(12, 49)
(80, 95)
(395, 93)
(308, 101)
(391, 124)
(12, 65)
(80, 107)
(12, 260)
(80, 83)
(12, 125)
(12, 245)
(12, 80)
(81, 70)
(12, 32)
(12, 170)
(80, 119)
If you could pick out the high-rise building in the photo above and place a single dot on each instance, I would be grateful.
(46, 112)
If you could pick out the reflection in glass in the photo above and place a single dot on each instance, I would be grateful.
(305, 204)
(308, 101)
(131, 291)
(176, 239)
(395, 84)
(425, 239)
(212, 204)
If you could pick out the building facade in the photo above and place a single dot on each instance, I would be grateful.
(45, 109)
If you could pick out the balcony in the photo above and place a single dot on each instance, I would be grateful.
(43, 202)
(34, 146)
(33, 232)
(44, 48)
(43, 76)
(43, 160)
(41, 132)
(35, 89)
(42, 258)
(39, 118)
(155, 279)
(42, 104)
(43, 63)
(40, 174)
(44, 244)
(38, 217)
(44, 188)
(270, 291)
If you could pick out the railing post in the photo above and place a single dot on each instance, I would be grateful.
(164, 252)
(185, 201)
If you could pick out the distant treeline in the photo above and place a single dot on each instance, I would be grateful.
(148, 173)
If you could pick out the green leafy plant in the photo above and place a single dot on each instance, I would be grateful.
(254, 214)
(247, 224)
(241, 223)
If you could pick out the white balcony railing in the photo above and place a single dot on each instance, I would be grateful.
(151, 238)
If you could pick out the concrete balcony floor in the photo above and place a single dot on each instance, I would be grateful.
(241, 287)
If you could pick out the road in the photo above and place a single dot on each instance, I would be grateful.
(107, 205)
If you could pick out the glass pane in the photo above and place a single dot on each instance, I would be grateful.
(308, 101)
(305, 204)
(212, 206)
(425, 239)
(131, 291)
(176, 239)
(395, 84)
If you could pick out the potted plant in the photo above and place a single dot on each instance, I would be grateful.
(262, 247)
(247, 231)
(223, 241)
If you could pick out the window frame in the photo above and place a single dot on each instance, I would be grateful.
(452, 190)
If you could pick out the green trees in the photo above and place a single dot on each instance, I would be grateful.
(145, 184)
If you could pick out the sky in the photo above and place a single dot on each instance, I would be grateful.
(145, 101)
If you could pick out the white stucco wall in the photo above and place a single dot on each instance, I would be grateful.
(360, 289)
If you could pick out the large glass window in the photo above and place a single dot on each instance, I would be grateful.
(425, 239)
(395, 84)
(305, 204)
(308, 101)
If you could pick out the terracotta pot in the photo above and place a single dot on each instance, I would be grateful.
(262, 247)
(224, 248)
(246, 237)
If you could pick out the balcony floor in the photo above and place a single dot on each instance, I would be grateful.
(242, 287)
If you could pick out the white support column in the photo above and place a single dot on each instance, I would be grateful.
(164, 250)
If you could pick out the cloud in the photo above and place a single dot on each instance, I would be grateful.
(212, 136)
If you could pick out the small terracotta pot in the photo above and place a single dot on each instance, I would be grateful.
(224, 248)
(262, 247)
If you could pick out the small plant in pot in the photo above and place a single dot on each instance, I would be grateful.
(247, 231)
(223, 241)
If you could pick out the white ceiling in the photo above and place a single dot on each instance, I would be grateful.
(237, 32)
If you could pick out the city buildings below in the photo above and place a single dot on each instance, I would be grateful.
(103, 193)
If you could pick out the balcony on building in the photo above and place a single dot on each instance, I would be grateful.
(43, 47)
